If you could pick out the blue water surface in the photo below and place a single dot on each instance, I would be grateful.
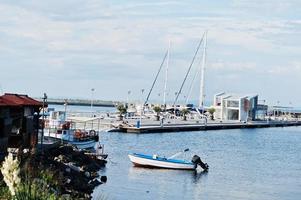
(244, 164)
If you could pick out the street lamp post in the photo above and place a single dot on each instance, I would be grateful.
(142, 106)
(176, 93)
(274, 110)
(290, 110)
(65, 108)
(165, 105)
(203, 108)
(43, 119)
(278, 116)
(92, 98)
(127, 98)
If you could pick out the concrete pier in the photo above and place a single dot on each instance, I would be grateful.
(203, 127)
(80, 102)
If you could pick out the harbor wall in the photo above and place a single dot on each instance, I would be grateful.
(81, 102)
(202, 127)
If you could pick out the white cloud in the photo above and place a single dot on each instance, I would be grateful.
(292, 68)
(267, 5)
(100, 37)
(235, 67)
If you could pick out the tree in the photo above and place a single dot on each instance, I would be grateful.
(122, 110)
(184, 112)
(157, 109)
(211, 112)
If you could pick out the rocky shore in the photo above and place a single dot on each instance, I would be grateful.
(72, 172)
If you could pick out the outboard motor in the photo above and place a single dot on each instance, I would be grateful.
(197, 161)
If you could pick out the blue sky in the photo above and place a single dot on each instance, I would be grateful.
(65, 48)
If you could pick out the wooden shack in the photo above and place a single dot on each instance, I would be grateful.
(19, 121)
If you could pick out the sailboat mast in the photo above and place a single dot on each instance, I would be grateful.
(202, 86)
(151, 89)
(192, 84)
(195, 54)
(166, 75)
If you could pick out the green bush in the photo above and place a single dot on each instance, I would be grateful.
(4, 191)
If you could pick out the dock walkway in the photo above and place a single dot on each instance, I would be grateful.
(208, 126)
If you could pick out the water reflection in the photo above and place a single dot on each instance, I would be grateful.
(243, 165)
(197, 175)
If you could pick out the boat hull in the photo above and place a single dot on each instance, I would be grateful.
(68, 138)
(83, 144)
(160, 163)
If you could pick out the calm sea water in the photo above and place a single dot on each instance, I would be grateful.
(255, 164)
(246, 164)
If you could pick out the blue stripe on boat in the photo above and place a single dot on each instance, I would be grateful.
(82, 142)
(162, 159)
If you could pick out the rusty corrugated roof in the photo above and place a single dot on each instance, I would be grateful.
(9, 99)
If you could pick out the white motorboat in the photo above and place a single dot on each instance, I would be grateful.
(154, 161)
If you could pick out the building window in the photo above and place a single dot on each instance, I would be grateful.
(233, 114)
(218, 101)
(234, 104)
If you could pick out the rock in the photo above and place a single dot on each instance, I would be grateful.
(59, 158)
(95, 183)
(74, 171)
(103, 179)
(73, 167)
(87, 174)
(68, 180)
(94, 174)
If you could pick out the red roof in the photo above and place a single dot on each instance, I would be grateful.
(18, 100)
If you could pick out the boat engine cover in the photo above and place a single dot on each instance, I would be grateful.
(197, 161)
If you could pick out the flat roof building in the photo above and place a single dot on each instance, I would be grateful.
(235, 107)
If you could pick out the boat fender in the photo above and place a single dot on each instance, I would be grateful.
(92, 132)
(77, 134)
(155, 156)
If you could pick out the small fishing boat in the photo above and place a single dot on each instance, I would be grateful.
(79, 133)
(155, 161)
(80, 139)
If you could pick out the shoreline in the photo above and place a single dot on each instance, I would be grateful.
(72, 173)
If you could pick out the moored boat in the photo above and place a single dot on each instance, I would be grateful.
(84, 144)
(79, 132)
(82, 140)
(155, 161)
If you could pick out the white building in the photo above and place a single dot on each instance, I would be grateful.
(235, 107)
